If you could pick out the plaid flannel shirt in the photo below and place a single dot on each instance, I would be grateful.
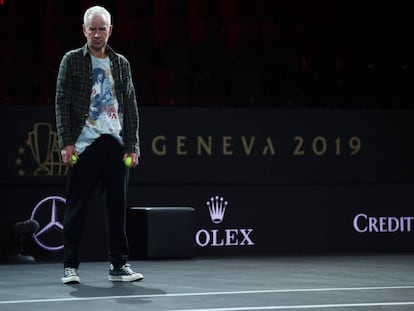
(73, 97)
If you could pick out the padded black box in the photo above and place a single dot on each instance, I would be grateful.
(161, 232)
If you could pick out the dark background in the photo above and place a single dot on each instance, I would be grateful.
(251, 53)
(251, 67)
(293, 203)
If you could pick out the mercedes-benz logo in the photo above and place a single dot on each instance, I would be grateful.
(47, 215)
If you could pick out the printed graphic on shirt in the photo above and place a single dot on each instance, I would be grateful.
(102, 96)
(103, 109)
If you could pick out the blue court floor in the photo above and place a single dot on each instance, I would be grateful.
(329, 282)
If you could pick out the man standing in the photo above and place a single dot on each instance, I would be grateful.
(97, 125)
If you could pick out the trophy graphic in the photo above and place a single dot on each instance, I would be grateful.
(43, 144)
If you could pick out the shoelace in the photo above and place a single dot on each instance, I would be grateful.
(127, 268)
(70, 272)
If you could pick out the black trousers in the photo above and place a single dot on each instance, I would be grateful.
(100, 164)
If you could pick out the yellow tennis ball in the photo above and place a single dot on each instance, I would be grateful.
(74, 159)
(128, 161)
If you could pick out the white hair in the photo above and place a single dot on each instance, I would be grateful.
(96, 11)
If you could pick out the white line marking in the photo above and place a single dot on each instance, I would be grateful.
(341, 305)
(264, 291)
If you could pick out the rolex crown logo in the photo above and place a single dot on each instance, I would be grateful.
(217, 207)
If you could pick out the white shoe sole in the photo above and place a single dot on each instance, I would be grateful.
(126, 278)
(71, 280)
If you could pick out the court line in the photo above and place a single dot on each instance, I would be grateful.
(265, 291)
(339, 305)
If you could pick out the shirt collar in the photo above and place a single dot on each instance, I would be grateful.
(108, 49)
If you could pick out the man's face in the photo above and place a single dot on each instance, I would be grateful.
(97, 32)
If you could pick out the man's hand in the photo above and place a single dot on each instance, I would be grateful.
(67, 153)
(134, 159)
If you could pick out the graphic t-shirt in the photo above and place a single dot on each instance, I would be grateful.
(103, 111)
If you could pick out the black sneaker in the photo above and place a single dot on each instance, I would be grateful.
(123, 274)
(70, 276)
